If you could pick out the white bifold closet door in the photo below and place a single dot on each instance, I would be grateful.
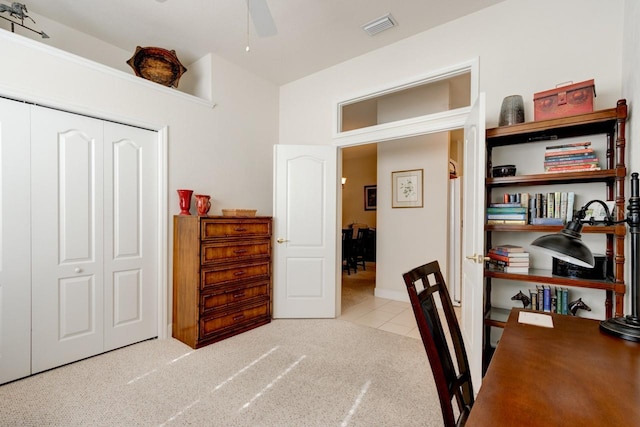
(94, 198)
(15, 254)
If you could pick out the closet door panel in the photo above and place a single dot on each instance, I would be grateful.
(67, 241)
(131, 235)
(15, 255)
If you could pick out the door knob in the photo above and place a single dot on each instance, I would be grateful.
(78, 270)
(281, 240)
(478, 258)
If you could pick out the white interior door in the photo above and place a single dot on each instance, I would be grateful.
(67, 226)
(473, 238)
(131, 239)
(15, 248)
(305, 231)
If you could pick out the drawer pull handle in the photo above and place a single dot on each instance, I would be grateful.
(240, 229)
(239, 273)
(240, 251)
(239, 317)
(238, 295)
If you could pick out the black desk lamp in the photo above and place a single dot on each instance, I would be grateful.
(567, 246)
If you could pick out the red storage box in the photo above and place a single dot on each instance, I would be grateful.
(564, 101)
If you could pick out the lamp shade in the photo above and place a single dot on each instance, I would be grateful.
(567, 246)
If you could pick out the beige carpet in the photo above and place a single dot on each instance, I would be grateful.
(286, 373)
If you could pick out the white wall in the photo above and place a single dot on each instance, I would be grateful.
(405, 238)
(224, 151)
(521, 47)
(631, 90)
(631, 76)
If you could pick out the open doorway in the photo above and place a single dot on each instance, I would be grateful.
(415, 126)
(404, 237)
(359, 224)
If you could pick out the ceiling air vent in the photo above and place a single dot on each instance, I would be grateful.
(379, 25)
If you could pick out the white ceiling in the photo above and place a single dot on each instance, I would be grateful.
(312, 34)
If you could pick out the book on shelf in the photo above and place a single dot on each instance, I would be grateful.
(510, 268)
(563, 205)
(496, 263)
(547, 221)
(539, 205)
(533, 296)
(567, 146)
(561, 300)
(577, 154)
(546, 298)
(520, 216)
(508, 255)
(505, 205)
(509, 248)
(573, 168)
(509, 259)
(506, 221)
(509, 210)
(550, 205)
(571, 198)
(571, 161)
(567, 151)
(512, 258)
(540, 291)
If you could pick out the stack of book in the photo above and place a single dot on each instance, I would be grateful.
(574, 157)
(512, 211)
(509, 258)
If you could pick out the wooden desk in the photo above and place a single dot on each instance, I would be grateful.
(572, 374)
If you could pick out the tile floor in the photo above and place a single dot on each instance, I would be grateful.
(380, 313)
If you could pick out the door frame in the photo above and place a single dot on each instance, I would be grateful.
(162, 130)
(432, 123)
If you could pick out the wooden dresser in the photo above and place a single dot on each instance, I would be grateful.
(221, 277)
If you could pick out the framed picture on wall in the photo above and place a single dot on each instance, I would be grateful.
(406, 189)
(370, 197)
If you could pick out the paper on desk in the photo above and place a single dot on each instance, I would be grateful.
(537, 319)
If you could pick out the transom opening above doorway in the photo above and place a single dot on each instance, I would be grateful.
(432, 102)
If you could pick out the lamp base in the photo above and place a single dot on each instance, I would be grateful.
(627, 328)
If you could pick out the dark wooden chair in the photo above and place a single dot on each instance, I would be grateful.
(347, 251)
(359, 246)
(451, 374)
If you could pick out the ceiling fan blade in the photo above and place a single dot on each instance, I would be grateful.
(262, 19)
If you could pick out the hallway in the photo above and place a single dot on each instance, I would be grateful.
(359, 305)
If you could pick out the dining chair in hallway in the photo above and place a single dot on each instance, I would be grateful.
(451, 374)
(347, 251)
(359, 255)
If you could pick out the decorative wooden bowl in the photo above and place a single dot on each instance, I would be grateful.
(158, 65)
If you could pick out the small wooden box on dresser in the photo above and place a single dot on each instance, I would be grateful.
(221, 277)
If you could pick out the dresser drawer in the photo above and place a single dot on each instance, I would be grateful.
(213, 324)
(236, 295)
(214, 252)
(221, 228)
(227, 274)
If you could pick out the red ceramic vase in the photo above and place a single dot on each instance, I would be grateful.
(185, 201)
(203, 204)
